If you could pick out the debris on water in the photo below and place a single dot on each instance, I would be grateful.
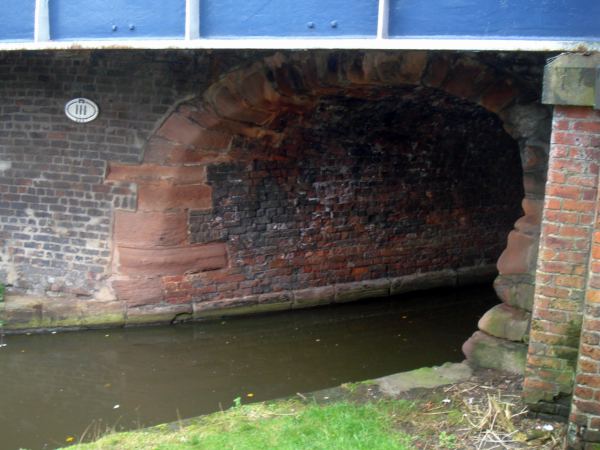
(53, 332)
(117, 406)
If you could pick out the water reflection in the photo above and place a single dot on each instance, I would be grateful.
(55, 386)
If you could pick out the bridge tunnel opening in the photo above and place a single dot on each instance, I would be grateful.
(312, 179)
(385, 184)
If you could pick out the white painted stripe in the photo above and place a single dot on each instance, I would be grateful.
(383, 19)
(41, 30)
(192, 19)
(306, 44)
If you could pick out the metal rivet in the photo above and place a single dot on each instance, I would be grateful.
(310, 24)
(333, 24)
(131, 26)
(114, 28)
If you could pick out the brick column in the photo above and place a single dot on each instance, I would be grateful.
(563, 365)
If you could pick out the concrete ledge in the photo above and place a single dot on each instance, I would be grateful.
(570, 79)
(26, 313)
(421, 281)
(343, 292)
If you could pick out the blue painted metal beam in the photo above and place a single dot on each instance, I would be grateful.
(512, 19)
(116, 19)
(572, 22)
(288, 18)
(17, 20)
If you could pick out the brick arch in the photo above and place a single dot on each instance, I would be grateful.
(153, 252)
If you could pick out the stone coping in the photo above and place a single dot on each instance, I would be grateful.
(22, 314)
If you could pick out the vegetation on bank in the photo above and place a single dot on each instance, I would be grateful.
(282, 425)
(485, 411)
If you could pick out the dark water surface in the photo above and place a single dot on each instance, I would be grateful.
(56, 385)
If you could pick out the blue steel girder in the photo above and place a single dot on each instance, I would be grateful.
(431, 24)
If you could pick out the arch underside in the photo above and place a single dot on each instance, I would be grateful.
(174, 253)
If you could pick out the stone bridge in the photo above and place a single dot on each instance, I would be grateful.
(218, 183)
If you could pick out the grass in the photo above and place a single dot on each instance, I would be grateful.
(279, 425)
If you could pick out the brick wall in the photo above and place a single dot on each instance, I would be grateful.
(324, 168)
(362, 189)
(566, 281)
(55, 209)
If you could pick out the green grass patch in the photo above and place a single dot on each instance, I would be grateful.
(279, 425)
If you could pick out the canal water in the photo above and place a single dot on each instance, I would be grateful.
(54, 387)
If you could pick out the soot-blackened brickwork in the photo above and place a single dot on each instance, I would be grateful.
(405, 181)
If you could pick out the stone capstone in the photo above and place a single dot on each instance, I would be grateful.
(425, 377)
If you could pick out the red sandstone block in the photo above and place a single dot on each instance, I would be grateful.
(154, 173)
(178, 128)
(229, 105)
(139, 291)
(149, 229)
(165, 196)
(159, 150)
(172, 260)
(198, 112)
(258, 91)
(519, 255)
(498, 96)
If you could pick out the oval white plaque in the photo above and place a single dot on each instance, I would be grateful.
(81, 110)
